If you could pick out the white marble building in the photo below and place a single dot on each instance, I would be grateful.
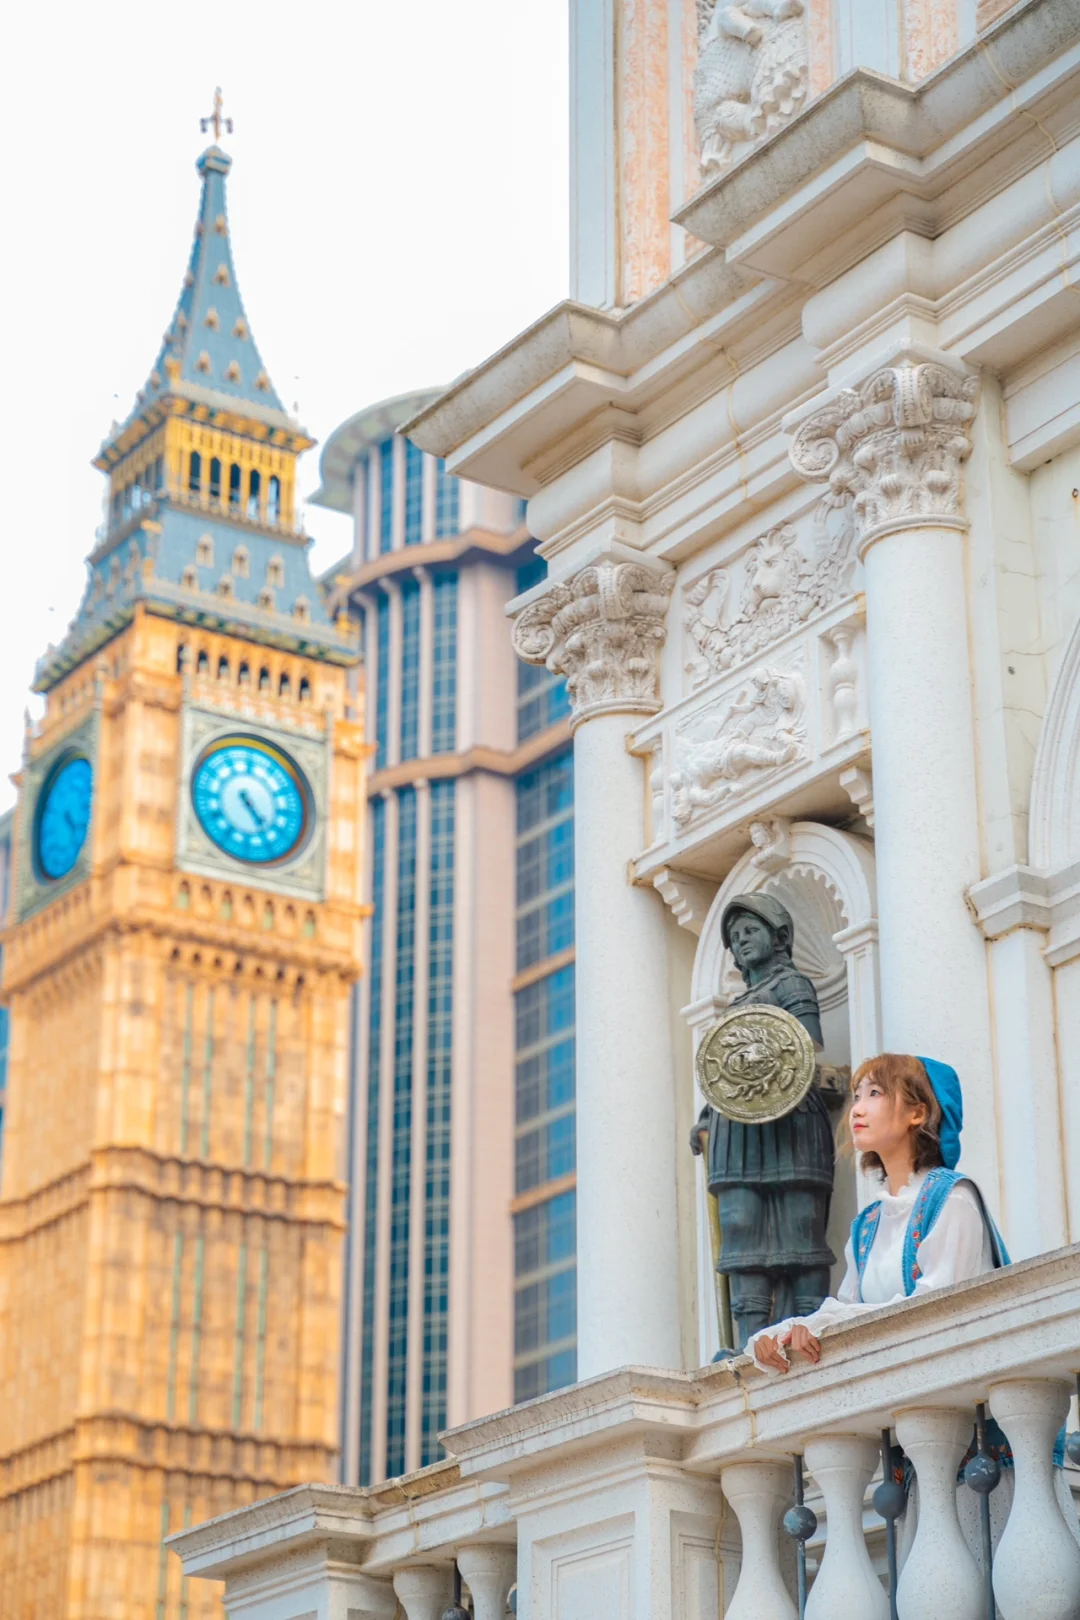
(803, 455)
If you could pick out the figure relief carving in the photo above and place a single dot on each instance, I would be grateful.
(762, 729)
(894, 448)
(603, 629)
(751, 75)
(783, 587)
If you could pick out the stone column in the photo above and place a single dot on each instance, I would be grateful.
(894, 448)
(603, 628)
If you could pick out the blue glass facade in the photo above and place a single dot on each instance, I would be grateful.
(414, 494)
(401, 1133)
(444, 665)
(446, 503)
(386, 495)
(545, 1274)
(371, 1156)
(437, 1169)
(410, 669)
(382, 682)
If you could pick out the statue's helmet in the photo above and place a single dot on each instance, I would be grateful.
(771, 911)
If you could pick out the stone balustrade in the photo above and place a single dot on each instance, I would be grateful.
(647, 1493)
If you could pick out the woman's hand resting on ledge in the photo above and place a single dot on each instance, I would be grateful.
(798, 1340)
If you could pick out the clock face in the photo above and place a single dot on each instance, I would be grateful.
(63, 817)
(251, 800)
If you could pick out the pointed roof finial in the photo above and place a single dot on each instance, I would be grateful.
(217, 119)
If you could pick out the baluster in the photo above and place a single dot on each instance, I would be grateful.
(1037, 1568)
(490, 1572)
(888, 1501)
(423, 1590)
(758, 1492)
(940, 1580)
(846, 1587)
(800, 1522)
(983, 1475)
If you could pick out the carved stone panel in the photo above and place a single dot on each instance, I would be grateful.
(751, 76)
(722, 749)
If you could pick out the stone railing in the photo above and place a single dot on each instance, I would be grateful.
(643, 1493)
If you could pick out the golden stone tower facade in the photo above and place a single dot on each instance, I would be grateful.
(181, 943)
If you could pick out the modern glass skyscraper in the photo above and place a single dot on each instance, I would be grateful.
(461, 1271)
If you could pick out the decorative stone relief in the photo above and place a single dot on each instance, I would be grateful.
(895, 447)
(782, 588)
(751, 75)
(722, 755)
(603, 629)
(772, 843)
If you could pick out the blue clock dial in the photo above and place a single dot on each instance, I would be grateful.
(251, 800)
(63, 817)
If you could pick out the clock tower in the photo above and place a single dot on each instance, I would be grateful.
(181, 943)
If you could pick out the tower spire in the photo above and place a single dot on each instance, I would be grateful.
(217, 121)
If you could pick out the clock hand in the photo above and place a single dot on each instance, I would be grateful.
(245, 800)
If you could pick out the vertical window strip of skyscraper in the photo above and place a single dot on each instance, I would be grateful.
(542, 698)
(545, 1353)
(444, 664)
(371, 1153)
(437, 1169)
(414, 494)
(447, 496)
(410, 668)
(382, 681)
(401, 1142)
(386, 495)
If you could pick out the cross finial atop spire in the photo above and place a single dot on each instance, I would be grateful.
(217, 118)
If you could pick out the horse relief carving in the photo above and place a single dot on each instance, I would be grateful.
(751, 74)
(782, 588)
(761, 729)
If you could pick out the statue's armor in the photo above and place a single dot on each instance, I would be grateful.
(773, 1182)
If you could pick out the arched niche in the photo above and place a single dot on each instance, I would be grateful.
(1054, 827)
(826, 879)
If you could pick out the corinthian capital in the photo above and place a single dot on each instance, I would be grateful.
(895, 446)
(603, 628)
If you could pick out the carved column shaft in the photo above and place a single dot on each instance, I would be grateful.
(894, 449)
(604, 629)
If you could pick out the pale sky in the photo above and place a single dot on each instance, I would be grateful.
(398, 208)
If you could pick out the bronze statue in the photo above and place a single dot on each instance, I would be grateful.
(773, 1182)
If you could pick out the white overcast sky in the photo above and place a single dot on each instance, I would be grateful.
(398, 207)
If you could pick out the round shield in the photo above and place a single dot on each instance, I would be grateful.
(756, 1064)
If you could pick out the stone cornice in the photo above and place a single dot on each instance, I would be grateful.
(602, 627)
(1046, 902)
(885, 119)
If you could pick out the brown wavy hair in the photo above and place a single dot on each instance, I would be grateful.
(904, 1078)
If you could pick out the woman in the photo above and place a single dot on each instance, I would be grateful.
(929, 1228)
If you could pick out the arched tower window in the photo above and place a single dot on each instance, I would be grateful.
(264, 679)
(234, 484)
(183, 658)
(241, 562)
(305, 690)
(215, 478)
(243, 674)
(195, 473)
(284, 686)
(223, 669)
(204, 551)
(202, 666)
(273, 499)
(254, 488)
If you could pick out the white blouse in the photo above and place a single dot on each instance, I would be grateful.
(956, 1248)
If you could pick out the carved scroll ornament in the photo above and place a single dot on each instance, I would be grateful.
(603, 629)
(895, 446)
